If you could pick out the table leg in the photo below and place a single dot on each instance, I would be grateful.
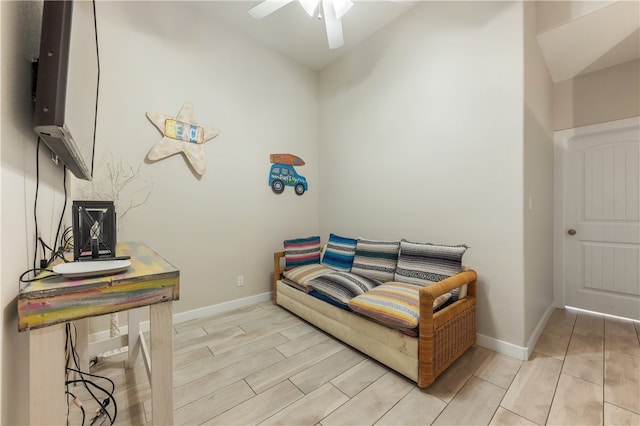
(133, 337)
(161, 324)
(82, 344)
(47, 400)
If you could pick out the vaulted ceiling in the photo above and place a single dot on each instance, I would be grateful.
(576, 37)
(581, 37)
(291, 31)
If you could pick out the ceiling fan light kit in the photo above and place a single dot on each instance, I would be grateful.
(333, 11)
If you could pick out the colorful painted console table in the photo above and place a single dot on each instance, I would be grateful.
(45, 306)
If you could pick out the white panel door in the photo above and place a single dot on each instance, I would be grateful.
(602, 221)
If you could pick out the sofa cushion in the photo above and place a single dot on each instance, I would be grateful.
(329, 300)
(303, 274)
(376, 259)
(424, 264)
(301, 251)
(342, 286)
(394, 304)
(339, 252)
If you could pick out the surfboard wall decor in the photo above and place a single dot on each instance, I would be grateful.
(283, 174)
(288, 159)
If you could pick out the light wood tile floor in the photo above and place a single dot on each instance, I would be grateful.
(263, 365)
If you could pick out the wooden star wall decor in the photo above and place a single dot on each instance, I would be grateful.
(181, 134)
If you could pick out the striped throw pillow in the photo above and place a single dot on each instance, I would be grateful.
(339, 252)
(393, 304)
(424, 264)
(376, 259)
(301, 251)
(303, 274)
(342, 286)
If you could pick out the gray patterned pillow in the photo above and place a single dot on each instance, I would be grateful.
(342, 286)
(424, 264)
(376, 259)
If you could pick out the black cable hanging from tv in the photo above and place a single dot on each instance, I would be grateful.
(95, 119)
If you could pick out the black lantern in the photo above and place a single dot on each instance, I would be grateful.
(94, 230)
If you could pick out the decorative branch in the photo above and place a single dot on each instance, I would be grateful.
(120, 181)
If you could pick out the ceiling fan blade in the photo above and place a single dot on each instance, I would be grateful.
(267, 7)
(333, 25)
(309, 6)
(342, 7)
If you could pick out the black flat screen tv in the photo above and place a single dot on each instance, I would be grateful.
(66, 90)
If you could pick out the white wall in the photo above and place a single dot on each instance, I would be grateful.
(213, 228)
(228, 222)
(538, 180)
(20, 43)
(421, 138)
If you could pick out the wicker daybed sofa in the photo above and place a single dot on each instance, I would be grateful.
(442, 337)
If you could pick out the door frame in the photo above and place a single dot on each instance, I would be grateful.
(561, 140)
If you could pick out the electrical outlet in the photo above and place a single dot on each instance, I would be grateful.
(240, 280)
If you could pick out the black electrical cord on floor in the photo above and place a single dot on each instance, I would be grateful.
(85, 382)
(71, 349)
(77, 402)
(102, 410)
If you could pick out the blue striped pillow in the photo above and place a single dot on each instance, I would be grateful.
(376, 259)
(301, 251)
(339, 252)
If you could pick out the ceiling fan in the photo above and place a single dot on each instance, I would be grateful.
(331, 11)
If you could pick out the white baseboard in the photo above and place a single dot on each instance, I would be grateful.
(515, 351)
(220, 308)
(503, 347)
(190, 315)
(537, 332)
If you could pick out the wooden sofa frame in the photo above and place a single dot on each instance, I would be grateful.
(443, 336)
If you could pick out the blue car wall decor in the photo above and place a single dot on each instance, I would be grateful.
(283, 174)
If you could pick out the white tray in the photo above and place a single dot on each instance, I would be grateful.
(91, 268)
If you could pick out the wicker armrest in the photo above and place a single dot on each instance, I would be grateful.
(445, 335)
(278, 269)
(434, 290)
(428, 295)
